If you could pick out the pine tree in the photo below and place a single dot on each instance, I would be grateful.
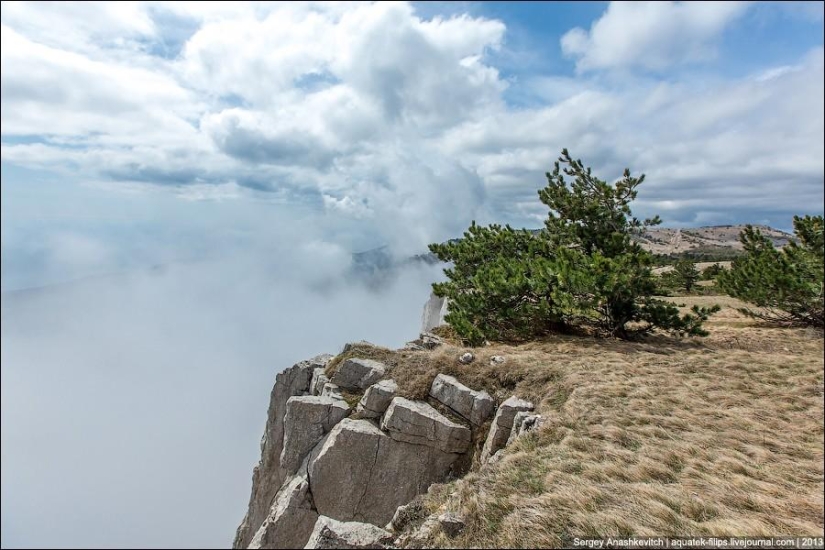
(787, 285)
(583, 271)
(685, 273)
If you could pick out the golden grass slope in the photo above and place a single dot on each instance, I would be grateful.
(717, 436)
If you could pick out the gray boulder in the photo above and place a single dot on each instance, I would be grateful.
(358, 374)
(466, 358)
(307, 419)
(502, 425)
(524, 422)
(291, 518)
(429, 340)
(359, 473)
(451, 524)
(268, 476)
(419, 423)
(376, 399)
(475, 406)
(330, 533)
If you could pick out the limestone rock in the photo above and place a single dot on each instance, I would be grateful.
(420, 537)
(349, 345)
(359, 473)
(502, 424)
(497, 359)
(413, 346)
(406, 514)
(419, 423)
(307, 420)
(321, 361)
(451, 524)
(291, 518)
(268, 476)
(475, 406)
(434, 311)
(430, 340)
(318, 381)
(330, 533)
(425, 341)
(358, 374)
(376, 399)
(331, 390)
(466, 358)
(523, 422)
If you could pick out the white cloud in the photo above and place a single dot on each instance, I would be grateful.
(369, 111)
(651, 35)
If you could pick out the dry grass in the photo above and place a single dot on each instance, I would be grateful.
(716, 436)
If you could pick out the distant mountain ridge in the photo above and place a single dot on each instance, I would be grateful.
(707, 241)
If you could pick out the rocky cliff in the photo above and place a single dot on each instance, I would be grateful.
(342, 451)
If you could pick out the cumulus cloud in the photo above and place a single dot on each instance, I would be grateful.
(651, 35)
(359, 107)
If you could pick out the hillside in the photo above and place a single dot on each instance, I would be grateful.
(715, 242)
(717, 436)
(667, 241)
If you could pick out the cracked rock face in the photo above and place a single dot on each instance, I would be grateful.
(290, 518)
(318, 381)
(475, 406)
(362, 474)
(358, 374)
(268, 476)
(331, 390)
(376, 399)
(502, 425)
(307, 420)
(330, 533)
(418, 423)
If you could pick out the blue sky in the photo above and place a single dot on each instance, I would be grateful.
(144, 133)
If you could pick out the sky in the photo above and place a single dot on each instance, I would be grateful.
(182, 186)
(137, 133)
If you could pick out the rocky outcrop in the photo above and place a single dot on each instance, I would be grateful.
(362, 474)
(268, 476)
(291, 518)
(358, 374)
(475, 406)
(376, 399)
(329, 533)
(327, 480)
(502, 425)
(307, 420)
(434, 312)
(420, 424)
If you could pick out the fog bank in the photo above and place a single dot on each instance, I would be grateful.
(133, 405)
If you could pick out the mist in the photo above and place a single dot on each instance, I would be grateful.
(133, 404)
